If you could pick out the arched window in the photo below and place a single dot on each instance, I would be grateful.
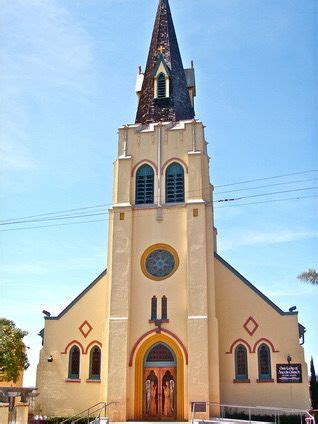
(160, 353)
(74, 363)
(241, 372)
(161, 86)
(264, 363)
(153, 308)
(174, 183)
(144, 185)
(94, 363)
(164, 308)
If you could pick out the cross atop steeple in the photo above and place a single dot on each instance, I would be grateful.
(164, 94)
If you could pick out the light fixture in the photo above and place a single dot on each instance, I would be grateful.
(289, 358)
(50, 358)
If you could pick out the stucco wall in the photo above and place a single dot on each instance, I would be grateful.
(57, 396)
(235, 303)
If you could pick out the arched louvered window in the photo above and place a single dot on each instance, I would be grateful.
(161, 86)
(74, 363)
(264, 363)
(164, 308)
(144, 185)
(153, 308)
(174, 183)
(241, 372)
(95, 363)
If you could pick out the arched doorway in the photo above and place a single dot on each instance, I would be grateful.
(159, 383)
(159, 380)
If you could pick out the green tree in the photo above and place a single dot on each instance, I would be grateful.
(13, 358)
(313, 385)
(310, 276)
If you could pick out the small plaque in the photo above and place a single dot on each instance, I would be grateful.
(289, 373)
(198, 406)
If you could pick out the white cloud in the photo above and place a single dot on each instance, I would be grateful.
(251, 238)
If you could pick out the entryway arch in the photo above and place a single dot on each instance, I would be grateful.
(159, 373)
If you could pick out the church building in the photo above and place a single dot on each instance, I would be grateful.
(170, 321)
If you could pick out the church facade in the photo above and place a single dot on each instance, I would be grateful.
(170, 321)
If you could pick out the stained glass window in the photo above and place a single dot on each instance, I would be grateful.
(153, 308)
(164, 308)
(74, 363)
(160, 263)
(160, 353)
(264, 362)
(95, 363)
(241, 363)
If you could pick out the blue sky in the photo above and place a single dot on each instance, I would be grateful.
(68, 84)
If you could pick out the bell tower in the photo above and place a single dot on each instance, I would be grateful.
(161, 293)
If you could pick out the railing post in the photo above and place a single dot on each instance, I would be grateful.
(249, 414)
(105, 409)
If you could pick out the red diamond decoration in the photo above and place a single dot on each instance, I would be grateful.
(85, 328)
(251, 326)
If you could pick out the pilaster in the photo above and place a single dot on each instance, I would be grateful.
(198, 337)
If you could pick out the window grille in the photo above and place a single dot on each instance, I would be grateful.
(160, 353)
(164, 308)
(174, 183)
(74, 363)
(161, 86)
(144, 185)
(241, 363)
(95, 363)
(153, 308)
(264, 363)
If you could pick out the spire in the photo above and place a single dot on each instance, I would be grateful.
(164, 94)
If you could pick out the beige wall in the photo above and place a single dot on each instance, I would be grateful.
(58, 397)
(236, 302)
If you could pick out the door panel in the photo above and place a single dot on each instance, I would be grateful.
(159, 394)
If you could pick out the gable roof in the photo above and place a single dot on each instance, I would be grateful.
(251, 286)
(88, 288)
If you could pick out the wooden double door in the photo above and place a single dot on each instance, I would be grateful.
(159, 393)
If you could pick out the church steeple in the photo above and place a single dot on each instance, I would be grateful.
(164, 94)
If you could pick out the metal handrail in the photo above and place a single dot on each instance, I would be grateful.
(309, 418)
(97, 408)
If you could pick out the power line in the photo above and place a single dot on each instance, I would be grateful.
(265, 186)
(265, 201)
(264, 194)
(142, 215)
(83, 215)
(267, 178)
(17, 220)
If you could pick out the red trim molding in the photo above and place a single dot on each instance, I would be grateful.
(70, 380)
(149, 162)
(251, 319)
(96, 342)
(240, 341)
(266, 341)
(174, 160)
(85, 333)
(242, 381)
(71, 343)
(155, 330)
(265, 381)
